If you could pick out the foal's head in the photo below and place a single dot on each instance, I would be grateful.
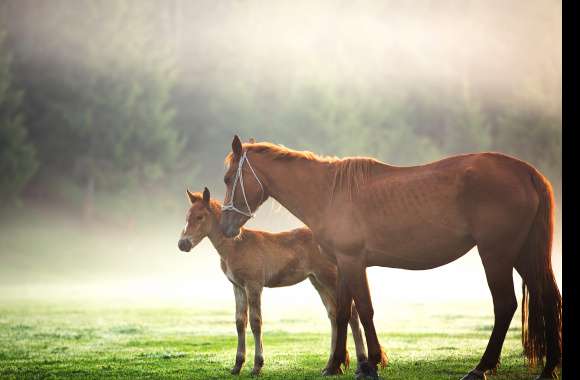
(244, 190)
(198, 222)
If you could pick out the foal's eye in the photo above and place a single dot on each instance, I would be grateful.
(200, 217)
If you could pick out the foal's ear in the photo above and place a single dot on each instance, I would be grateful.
(191, 196)
(252, 140)
(237, 147)
(206, 196)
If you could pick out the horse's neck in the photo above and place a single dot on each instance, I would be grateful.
(301, 186)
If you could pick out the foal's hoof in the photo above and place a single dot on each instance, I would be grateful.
(365, 371)
(543, 377)
(332, 371)
(236, 370)
(475, 375)
(256, 371)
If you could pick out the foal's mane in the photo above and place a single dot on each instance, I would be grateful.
(215, 206)
(348, 174)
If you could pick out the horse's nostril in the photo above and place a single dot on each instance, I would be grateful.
(184, 245)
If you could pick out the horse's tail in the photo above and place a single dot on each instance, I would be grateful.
(542, 301)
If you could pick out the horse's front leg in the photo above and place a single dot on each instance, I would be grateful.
(343, 315)
(254, 293)
(355, 276)
(241, 323)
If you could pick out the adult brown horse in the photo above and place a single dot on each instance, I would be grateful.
(368, 213)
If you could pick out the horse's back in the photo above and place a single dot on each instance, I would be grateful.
(424, 216)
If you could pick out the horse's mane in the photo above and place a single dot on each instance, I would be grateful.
(348, 174)
(351, 173)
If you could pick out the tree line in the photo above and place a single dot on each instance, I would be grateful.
(100, 97)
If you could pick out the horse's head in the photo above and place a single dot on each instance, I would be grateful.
(244, 191)
(198, 221)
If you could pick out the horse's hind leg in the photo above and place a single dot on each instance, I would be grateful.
(499, 274)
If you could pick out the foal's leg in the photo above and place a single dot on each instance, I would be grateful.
(499, 275)
(241, 323)
(357, 334)
(330, 305)
(326, 288)
(254, 299)
(354, 275)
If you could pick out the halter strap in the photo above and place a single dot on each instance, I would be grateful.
(240, 176)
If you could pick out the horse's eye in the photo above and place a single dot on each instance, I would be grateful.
(200, 217)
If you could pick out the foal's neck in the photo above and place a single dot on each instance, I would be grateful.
(215, 235)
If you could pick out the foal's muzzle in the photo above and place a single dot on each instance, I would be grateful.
(184, 245)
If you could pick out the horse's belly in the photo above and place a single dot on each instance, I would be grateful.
(418, 248)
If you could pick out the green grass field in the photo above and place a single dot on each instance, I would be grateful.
(62, 313)
(87, 340)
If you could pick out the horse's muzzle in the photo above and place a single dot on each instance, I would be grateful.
(230, 231)
(230, 223)
(184, 245)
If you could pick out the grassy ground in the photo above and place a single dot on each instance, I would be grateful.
(63, 338)
(87, 340)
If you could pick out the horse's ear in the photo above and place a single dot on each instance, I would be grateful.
(237, 147)
(252, 140)
(206, 196)
(191, 197)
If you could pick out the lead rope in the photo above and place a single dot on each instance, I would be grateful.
(240, 176)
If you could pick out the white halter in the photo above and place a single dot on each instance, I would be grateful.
(239, 175)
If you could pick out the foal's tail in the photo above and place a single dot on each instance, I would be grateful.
(384, 358)
(542, 301)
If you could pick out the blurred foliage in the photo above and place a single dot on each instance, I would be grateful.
(149, 93)
(105, 119)
(17, 155)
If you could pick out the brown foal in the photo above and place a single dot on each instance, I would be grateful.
(257, 259)
(367, 213)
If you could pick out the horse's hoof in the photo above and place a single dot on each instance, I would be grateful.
(365, 371)
(475, 375)
(540, 377)
(256, 371)
(367, 376)
(236, 370)
(331, 371)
